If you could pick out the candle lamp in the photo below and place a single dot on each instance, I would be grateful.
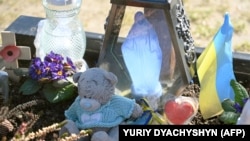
(157, 56)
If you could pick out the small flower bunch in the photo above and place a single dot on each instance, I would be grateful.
(52, 68)
(233, 108)
(51, 76)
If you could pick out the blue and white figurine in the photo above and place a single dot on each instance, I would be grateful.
(143, 58)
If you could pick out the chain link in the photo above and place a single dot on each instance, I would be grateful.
(183, 31)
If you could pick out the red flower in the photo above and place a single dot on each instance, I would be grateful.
(10, 53)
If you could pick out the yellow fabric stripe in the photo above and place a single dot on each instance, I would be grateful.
(210, 104)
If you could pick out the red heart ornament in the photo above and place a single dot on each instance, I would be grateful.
(178, 112)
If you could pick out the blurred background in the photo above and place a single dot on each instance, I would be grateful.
(206, 17)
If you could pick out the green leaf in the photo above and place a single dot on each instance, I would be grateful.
(57, 94)
(21, 71)
(239, 91)
(229, 117)
(228, 105)
(30, 87)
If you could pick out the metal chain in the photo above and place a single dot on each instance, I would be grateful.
(183, 31)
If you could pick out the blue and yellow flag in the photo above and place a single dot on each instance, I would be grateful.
(215, 70)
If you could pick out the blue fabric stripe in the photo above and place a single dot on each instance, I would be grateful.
(222, 43)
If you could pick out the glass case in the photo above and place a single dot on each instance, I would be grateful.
(153, 55)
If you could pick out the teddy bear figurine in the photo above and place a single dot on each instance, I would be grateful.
(97, 107)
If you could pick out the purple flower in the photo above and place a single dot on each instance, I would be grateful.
(245, 100)
(70, 63)
(53, 67)
(36, 70)
(238, 107)
(53, 58)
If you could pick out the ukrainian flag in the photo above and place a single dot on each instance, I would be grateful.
(215, 70)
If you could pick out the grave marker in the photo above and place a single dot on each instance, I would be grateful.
(9, 39)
